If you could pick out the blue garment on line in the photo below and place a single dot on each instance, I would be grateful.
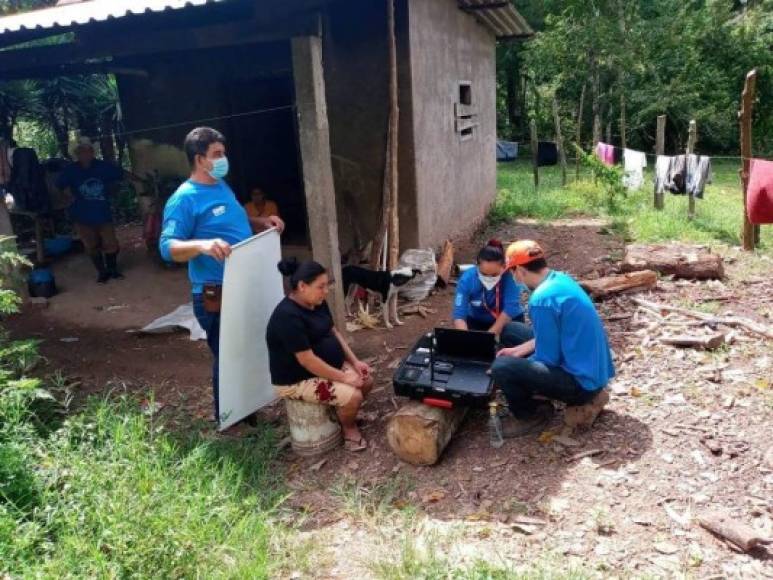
(568, 331)
(89, 188)
(197, 211)
(471, 297)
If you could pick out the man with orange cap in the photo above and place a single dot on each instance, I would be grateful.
(568, 359)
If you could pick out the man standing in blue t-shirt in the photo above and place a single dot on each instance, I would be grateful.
(88, 182)
(202, 220)
(568, 359)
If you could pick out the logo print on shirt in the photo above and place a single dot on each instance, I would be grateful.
(219, 210)
(92, 190)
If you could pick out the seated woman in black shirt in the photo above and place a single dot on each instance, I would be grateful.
(309, 358)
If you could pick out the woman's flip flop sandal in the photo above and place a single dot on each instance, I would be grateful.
(354, 445)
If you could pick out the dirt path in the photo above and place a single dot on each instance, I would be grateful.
(628, 510)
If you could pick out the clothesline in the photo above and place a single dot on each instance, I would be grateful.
(655, 155)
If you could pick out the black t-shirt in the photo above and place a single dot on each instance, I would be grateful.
(293, 329)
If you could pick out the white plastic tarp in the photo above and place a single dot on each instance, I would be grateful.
(180, 317)
(252, 287)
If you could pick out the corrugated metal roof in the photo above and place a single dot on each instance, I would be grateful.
(89, 11)
(500, 16)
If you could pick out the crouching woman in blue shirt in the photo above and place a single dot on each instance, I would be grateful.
(489, 300)
(568, 359)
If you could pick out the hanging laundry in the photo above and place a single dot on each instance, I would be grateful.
(634, 163)
(698, 174)
(677, 175)
(606, 153)
(662, 166)
(759, 192)
(547, 153)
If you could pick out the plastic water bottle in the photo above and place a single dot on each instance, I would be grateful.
(496, 438)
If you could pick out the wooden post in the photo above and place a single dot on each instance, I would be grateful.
(609, 131)
(579, 130)
(692, 137)
(745, 119)
(660, 149)
(316, 165)
(559, 140)
(394, 118)
(534, 150)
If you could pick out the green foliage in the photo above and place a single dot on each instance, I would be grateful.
(687, 60)
(610, 178)
(108, 493)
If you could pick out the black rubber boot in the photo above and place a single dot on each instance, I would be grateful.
(99, 264)
(112, 266)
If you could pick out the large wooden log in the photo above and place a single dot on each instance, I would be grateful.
(631, 282)
(418, 433)
(689, 341)
(680, 261)
(445, 264)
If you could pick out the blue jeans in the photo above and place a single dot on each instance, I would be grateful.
(513, 334)
(210, 322)
(520, 378)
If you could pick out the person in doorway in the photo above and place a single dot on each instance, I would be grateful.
(202, 220)
(488, 300)
(309, 358)
(88, 182)
(259, 207)
(569, 358)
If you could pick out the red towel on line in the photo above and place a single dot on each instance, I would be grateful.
(759, 192)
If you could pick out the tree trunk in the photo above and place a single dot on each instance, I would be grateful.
(611, 285)
(595, 101)
(512, 97)
(559, 140)
(534, 152)
(578, 136)
(418, 433)
(680, 261)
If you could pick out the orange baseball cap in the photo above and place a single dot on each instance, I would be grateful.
(522, 252)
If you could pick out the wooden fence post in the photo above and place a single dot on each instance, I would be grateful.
(559, 141)
(660, 148)
(534, 151)
(750, 233)
(692, 137)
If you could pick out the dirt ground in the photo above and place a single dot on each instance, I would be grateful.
(686, 431)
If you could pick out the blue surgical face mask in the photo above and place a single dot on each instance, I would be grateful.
(219, 167)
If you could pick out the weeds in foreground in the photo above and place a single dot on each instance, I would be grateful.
(370, 502)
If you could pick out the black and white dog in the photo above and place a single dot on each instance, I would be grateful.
(382, 283)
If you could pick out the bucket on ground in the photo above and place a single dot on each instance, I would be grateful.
(312, 428)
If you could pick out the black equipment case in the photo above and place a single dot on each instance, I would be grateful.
(448, 367)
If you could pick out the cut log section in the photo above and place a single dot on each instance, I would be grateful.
(610, 285)
(680, 261)
(728, 528)
(701, 342)
(445, 264)
(418, 433)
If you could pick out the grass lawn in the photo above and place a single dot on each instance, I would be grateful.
(718, 220)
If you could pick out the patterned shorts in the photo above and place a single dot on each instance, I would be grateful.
(320, 391)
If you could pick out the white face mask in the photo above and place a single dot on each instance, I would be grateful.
(489, 281)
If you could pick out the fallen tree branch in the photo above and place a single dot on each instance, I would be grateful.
(688, 341)
(609, 285)
(727, 528)
(734, 321)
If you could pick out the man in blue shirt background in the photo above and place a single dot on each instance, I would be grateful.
(202, 220)
(568, 359)
(88, 182)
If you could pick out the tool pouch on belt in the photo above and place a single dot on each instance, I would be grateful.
(213, 295)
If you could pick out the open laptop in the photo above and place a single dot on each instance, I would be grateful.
(449, 364)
